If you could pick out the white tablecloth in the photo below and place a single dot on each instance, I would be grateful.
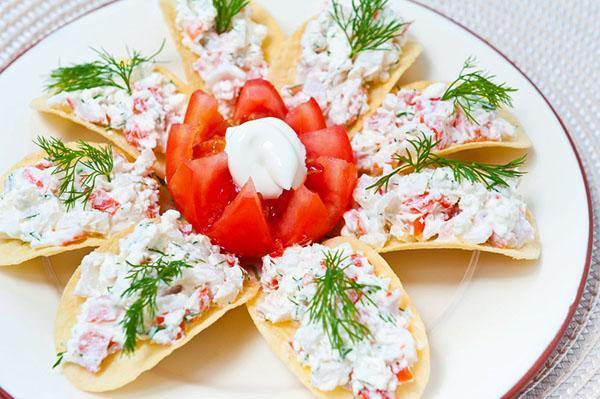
(555, 42)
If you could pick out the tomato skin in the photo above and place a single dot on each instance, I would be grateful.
(203, 116)
(259, 99)
(213, 189)
(306, 117)
(243, 227)
(180, 188)
(179, 147)
(330, 142)
(305, 218)
(334, 184)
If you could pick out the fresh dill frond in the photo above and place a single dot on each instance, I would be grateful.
(362, 28)
(77, 168)
(226, 10)
(106, 71)
(334, 309)
(475, 88)
(144, 281)
(59, 359)
(421, 156)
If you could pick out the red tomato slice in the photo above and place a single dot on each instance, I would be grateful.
(213, 189)
(335, 183)
(275, 208)
(259, 99)
(306, 117)
(210, 147)
(203, 115)
(305, 219)
(331, 142)
(243, 228)
(179, 147)
(180, 188)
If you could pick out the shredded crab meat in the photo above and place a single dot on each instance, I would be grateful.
(432, 206)
(410, 114)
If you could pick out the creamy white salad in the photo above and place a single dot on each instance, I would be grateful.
(371, 368)
(144, 116)
(225, 60)
(410, 114)
(32, 211)
(210, 279)
(327, 72)
(432, 205)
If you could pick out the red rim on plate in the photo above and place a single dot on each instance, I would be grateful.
(537, 365)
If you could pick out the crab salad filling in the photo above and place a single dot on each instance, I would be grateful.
(187, 276)
(332, 73)
(432, 205)
(373, 365)
(143, 115)
(226, 60)
(409, 114)
(31, 209)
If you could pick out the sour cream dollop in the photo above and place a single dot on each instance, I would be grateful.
(269, 152)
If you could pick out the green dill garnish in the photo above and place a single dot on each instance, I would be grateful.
(474, 88)
(362, 28)
(35, 235)
(226, 10)
(405, 113)
(107, 71)
(68, 166)
(421, 157)
(59, 359)
(144, 280)
(332, 307)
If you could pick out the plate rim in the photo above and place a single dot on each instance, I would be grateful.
(537, 365)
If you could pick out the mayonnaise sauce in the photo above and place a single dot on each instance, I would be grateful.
(269, 152)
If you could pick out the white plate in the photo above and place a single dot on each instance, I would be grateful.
(492, 321)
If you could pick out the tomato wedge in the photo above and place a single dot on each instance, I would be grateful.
(259, 99)
(179, 147)
(210, 147)
(305, 219)
(203, 115)
(213, 189)
(330, 142)
(179, 186)
(335, 184)
(243, 227)
(306, 117)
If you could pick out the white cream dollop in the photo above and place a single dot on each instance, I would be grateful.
(269, 152)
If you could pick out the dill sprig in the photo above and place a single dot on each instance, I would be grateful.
(226, 10)
(362, 29)
(77, 168)
(332, 307)
(144, 282)
(421, 156)
(107, 71)
(474, 88)
(59, 358)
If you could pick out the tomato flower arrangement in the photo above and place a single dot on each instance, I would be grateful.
(237, 216)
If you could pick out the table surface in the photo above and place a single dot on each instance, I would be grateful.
(554, 42)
